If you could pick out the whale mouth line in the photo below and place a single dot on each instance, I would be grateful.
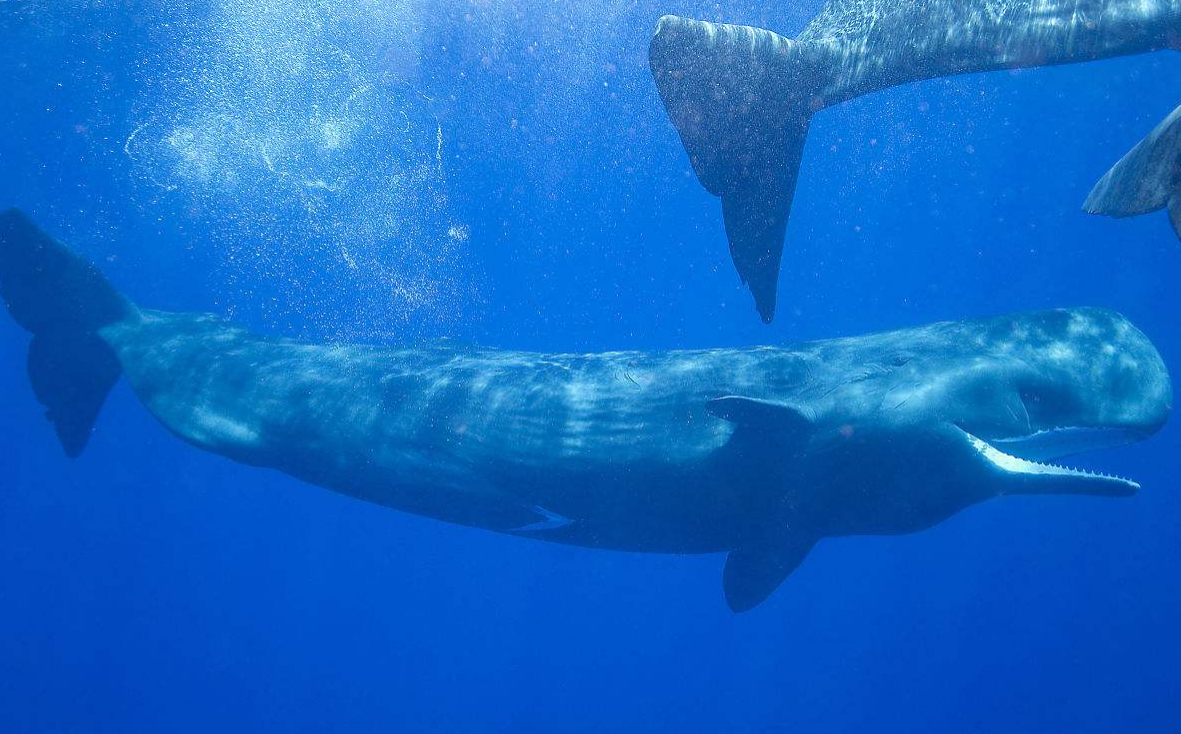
(1060, 441)
(1010, 464)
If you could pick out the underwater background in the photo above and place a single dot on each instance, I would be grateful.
(502, 172)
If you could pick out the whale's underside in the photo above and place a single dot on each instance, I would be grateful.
(742, 98)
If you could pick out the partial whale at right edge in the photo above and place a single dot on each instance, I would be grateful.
(1148, 178)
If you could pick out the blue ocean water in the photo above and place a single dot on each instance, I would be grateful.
(503, 173)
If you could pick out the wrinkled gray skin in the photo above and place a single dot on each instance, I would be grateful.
(741, 98)
(760, 451)
(1148, 178)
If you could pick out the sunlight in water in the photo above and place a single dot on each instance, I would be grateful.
(320, 176)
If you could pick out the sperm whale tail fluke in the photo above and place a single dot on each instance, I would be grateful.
(723, 87)
(64, 301)
(1148, 178)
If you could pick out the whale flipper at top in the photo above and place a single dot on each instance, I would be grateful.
(741, 98)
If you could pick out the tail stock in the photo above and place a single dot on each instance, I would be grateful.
(64, 301)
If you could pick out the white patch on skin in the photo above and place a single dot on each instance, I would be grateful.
(580, 397)
(211, 428)
(1082, 326)
(1060, 352)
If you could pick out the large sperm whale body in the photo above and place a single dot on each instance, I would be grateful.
(742, 98)
(1148, 178)
(758, 453)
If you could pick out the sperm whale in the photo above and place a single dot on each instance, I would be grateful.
(758, 453)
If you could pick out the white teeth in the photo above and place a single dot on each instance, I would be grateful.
(1015, 465)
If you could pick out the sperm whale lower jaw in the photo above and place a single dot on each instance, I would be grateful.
(1013, 465)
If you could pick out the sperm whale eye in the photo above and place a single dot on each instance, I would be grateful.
(1047, 406)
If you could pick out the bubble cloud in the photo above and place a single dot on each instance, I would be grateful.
(318, 175)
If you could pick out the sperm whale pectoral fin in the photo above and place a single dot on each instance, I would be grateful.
(741, 99)
(753, 572)
(549, 520)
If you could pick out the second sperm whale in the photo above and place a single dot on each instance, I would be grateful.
(742, 98)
